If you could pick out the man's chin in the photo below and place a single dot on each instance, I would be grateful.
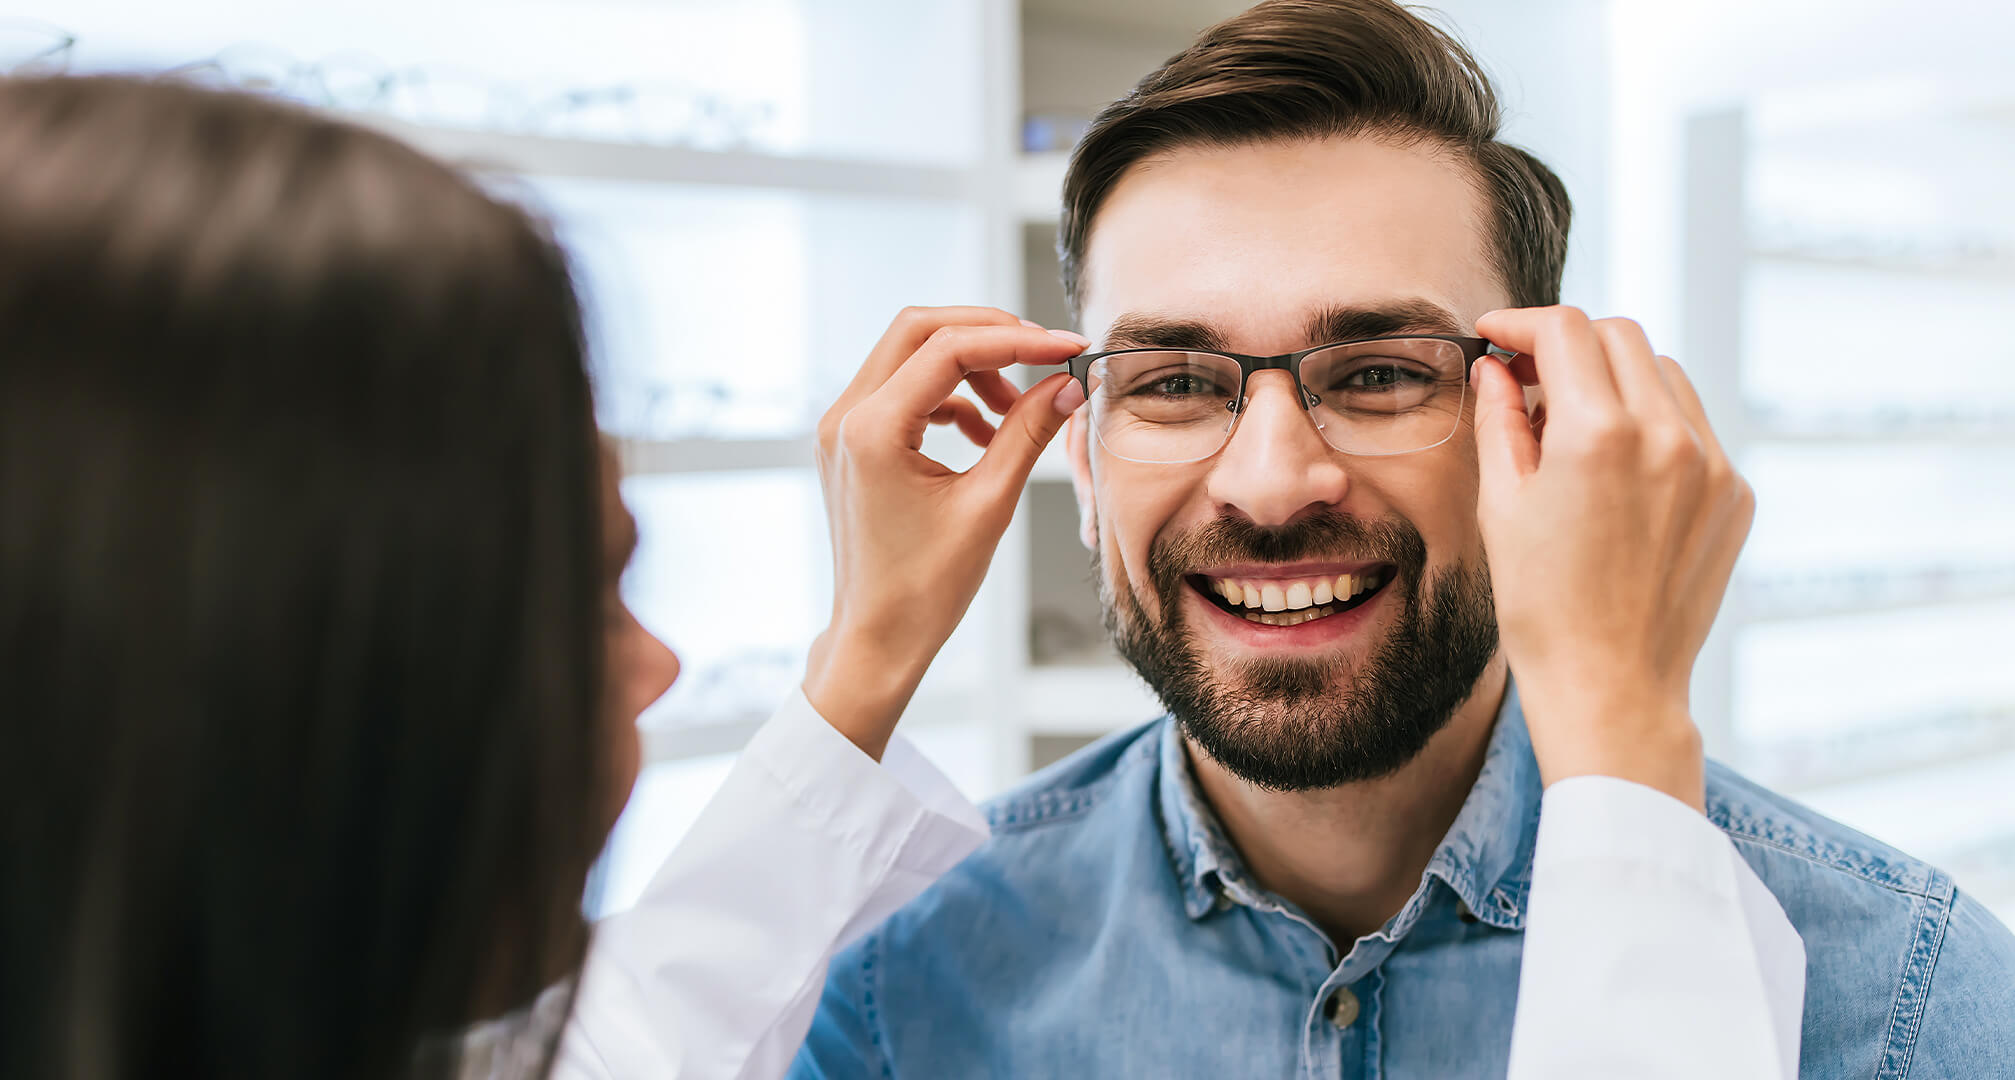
(1289, 711)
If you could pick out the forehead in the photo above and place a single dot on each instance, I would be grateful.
(1254, 238)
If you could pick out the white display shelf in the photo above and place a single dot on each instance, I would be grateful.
(1038, 186)
(1997, 265)
(1087, 700)
(540, 155)
(1912, 810)
(1893, 592)
(1984, 432)
(678, 737)
(648, 457)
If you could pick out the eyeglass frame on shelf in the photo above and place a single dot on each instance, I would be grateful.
(1473, 349)
(54, 55)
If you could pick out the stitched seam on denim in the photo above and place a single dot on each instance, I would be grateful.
(1372, 1016)
(1819, 859)
(1042, 807)
(1914, 989)
(878, 1039)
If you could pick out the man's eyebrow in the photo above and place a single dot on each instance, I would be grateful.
(1338, 322)
(1351, 322)
(1135, 330)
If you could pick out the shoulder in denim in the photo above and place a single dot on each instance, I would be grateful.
(1747, 811)
(1076, 784)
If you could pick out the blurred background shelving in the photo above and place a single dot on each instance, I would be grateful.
(1801, 201)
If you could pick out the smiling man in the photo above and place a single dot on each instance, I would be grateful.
(1290, 243)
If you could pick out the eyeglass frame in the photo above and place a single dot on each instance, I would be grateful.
(1473, 349)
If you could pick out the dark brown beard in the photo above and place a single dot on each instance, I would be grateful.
(1300, 725)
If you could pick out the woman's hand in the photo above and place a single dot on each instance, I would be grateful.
(1611, 538)
(912, 538)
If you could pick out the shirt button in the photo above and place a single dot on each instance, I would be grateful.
(1342, 1008)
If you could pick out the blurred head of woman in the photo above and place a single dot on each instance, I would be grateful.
(315, 685)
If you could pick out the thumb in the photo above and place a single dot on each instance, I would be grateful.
(1028, 427)
(1506, 450)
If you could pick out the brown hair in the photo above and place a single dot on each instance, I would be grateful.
(301, 593)
(1295, 69)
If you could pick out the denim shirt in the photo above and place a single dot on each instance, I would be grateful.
(1110, 929)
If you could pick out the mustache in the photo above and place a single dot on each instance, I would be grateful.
(1326, 535)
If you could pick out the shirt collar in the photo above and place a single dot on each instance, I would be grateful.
(1486, 858)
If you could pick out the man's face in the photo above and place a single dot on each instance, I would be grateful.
(1264, 249)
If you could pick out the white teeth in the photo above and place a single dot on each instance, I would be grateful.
(1293, 596)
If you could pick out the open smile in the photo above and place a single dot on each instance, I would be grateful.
(1278, 599)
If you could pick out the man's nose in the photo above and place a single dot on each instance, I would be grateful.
(1276, 468)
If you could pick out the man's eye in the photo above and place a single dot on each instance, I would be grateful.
(1179, 386)
(1382, 377)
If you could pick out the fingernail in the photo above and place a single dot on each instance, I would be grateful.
(1031, 325)
(1073, 338)
(1069, 396)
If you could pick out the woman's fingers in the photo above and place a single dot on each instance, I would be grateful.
(994, 389)
(1634, 366)
(907, 333)
(966, 416)
(1027, 429)
(1689, 404)
(1567, 356)
(1506, 447)
(951, 354)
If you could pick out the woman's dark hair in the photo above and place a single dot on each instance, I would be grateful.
(301, 592)
(1311, 69)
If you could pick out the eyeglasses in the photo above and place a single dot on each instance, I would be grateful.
(28, 47)
(1372, 397)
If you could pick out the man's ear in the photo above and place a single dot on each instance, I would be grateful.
(1077, 442)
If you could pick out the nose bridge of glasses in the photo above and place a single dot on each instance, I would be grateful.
(1280, 372)
(1279, 386)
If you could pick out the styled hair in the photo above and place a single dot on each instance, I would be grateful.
(1310, 69)
(301, 592)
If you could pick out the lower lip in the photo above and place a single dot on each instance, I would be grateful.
(1313, 634)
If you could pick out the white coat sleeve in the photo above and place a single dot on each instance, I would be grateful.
(1652, 950)
(716, 972)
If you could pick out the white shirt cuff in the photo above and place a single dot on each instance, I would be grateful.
(1646, 927)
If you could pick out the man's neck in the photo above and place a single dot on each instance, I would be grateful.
(1350, 856)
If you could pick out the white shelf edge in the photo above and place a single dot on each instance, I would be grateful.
(1994, 267)
(543, 155)
(682, 741)
(1877, 607)
(658, 457)
(1765, 433)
